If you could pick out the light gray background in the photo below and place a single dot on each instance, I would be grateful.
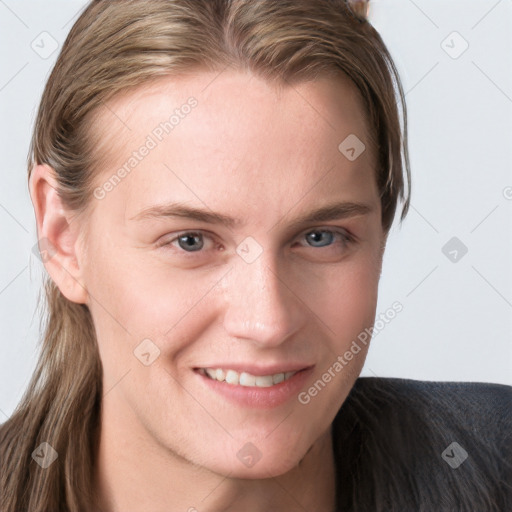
(457, 318)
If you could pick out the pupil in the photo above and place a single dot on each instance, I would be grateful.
(187, 242)
(316, 237)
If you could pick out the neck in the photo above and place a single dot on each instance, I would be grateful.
(133, 474)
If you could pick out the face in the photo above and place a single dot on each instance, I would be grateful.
(230, 264)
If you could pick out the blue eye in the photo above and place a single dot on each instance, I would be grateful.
(314, 239)
(197, 242)
(317, 238)
(190, 242)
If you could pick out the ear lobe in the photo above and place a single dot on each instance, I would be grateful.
(57, 234)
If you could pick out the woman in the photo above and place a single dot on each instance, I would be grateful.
(213, 183)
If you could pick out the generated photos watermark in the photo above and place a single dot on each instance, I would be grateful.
(363, 338)
(153, 139)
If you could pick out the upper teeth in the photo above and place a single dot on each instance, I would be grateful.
(246, 379)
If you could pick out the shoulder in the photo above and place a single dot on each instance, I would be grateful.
(442, 443)
(465, 406)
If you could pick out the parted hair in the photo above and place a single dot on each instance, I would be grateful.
(116, 45)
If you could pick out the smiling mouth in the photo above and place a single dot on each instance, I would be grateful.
(246, 379)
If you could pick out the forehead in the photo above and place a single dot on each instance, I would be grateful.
(209, 130)
(224, 96)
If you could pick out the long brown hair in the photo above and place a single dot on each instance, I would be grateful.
(119, 44)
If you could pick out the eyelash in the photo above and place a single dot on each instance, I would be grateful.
(346, 240)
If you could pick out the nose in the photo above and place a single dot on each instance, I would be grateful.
(262, 306)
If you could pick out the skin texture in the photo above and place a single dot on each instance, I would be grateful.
(264, 155)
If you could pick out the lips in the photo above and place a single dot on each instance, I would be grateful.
(255, 386)
(246, 379)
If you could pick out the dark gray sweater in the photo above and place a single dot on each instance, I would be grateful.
(408, 446)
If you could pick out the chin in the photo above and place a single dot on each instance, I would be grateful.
(269, 467)
(259, 461)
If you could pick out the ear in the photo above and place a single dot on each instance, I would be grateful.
(57, 234)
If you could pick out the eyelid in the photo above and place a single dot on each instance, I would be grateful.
(344, 233)
(171, 238)
(333, 229)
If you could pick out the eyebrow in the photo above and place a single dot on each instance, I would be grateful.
(334, 211)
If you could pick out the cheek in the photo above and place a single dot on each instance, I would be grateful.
(345, 298)
(131, 301)
(356, 296)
